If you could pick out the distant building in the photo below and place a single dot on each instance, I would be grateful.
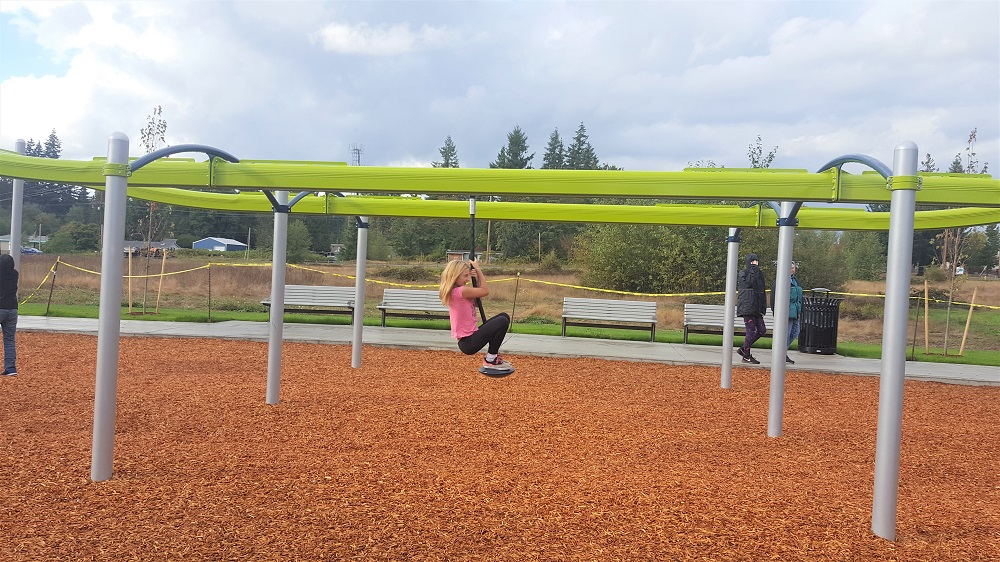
(219, 245)
(455, 255)
(31, 241)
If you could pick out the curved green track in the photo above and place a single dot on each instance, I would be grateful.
(221, 185)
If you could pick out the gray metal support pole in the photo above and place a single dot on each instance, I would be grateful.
(109, 312)
(732, 270)
(897, 294)
(359, 293)
(17, 212)
(275, 335)
(779, 331)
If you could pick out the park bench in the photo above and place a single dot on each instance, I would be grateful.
(708, 319)
(412, 303)
(606, 313)
(318, 299)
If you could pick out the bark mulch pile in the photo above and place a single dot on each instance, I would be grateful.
(416, 456)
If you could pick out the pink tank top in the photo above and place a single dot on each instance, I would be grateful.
(462, 312)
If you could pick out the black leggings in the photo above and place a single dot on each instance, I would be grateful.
(491, 332)
(755, 329)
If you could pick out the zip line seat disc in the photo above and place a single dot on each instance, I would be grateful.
(496, 373)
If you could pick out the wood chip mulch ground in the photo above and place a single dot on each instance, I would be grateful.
(415, 456)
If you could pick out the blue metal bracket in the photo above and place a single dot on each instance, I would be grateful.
(277, 207)
(157, 154)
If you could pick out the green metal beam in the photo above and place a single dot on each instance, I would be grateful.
(662, 214)
(711, 184)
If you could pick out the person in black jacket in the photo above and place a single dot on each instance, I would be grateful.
(751, 304)
(8, 313)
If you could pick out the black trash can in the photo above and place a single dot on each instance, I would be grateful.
(818, 324)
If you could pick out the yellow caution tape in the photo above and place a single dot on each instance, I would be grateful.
(46, 278)
(503, 280)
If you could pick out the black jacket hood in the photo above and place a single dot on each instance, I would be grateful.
(752, 257)
(6, 266)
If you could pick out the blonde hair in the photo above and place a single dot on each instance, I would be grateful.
(449, 277)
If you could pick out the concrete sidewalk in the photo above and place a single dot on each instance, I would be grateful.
(519, 344)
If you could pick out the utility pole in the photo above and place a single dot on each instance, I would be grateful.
(356, 151)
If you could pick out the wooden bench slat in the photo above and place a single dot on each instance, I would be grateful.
(318, 299)
(412, 303)
(708, 319)
(608, 313)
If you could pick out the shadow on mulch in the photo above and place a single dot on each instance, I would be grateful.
(415, 456)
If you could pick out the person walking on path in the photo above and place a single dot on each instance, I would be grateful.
(751, 304)
(8, 313)
(794, 311)
(460, 298)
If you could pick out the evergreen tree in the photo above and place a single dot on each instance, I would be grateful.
(53, 147)
(449, 155)
(299, 242)
(514, 156)
(555, 153)
(513, 237)
(580, 155)
(928, 164)
(957, 167)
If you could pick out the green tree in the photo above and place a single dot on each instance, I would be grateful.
(555, 153)
(54, 198)
(864, 255)
(755, 152)
(581, 155)
(449, 155)
(515, 155)
(957, 167)
(74, 237)
(984, 257)
(511, 235)
(299, 242)
(952, 240)
(618, 256)
(652, 259)
(819, 259)
(148, 218)
(928, 165)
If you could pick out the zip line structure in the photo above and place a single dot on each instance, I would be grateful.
(224, 182)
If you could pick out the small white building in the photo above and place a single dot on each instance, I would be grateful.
(216, 244)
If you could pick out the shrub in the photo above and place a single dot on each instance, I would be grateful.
(407, 273)
(550, 264)
(935, 274)
(862, 308)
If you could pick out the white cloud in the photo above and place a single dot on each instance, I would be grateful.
(658, 84)
(379, 40)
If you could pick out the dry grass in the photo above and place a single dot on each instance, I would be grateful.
(565, 460)
(539, 297)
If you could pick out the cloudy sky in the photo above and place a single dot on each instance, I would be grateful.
(657, 84)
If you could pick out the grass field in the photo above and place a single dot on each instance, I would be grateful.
(190, 291)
